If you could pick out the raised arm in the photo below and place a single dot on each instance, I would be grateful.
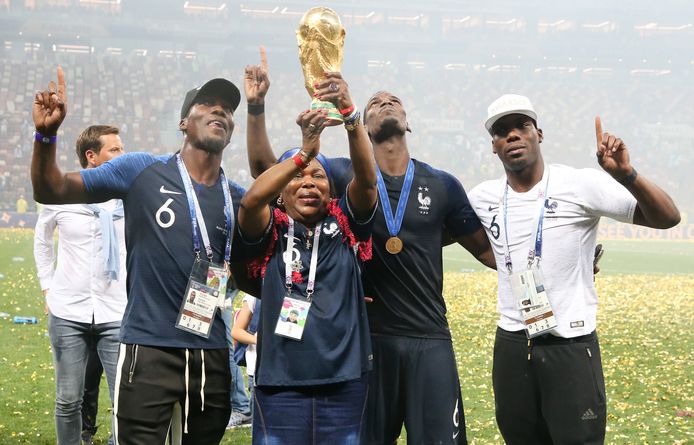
(654, 207)
(51, 186)
(256, 86)
(362, 190)
(254, 214)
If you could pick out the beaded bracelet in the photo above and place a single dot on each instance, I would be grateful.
(352, 121)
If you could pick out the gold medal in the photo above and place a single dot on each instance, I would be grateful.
(394, 245)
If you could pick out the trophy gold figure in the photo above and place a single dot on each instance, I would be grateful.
(321, 39)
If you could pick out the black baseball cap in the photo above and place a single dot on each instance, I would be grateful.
(219, 87)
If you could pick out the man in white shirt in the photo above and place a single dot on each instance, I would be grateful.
(85, 291)
(542, 223)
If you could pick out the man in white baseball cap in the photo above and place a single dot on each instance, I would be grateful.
(542, 222)
(509, 104)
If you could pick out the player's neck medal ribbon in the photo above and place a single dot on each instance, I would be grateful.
(394, 222)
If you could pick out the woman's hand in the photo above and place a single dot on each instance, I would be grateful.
(334, 89)
(312, 123)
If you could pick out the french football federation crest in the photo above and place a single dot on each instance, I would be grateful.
(331, 230)
(424, 201)
(551, 206)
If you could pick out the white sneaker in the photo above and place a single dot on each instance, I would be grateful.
(239, 420)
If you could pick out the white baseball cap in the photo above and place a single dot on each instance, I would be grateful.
(509, 104)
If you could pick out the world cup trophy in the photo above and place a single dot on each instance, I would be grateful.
(321, 39)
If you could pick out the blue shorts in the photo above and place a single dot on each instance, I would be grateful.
(414, 381)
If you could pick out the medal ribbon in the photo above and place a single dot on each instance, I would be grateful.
(395, 222)
(195, 209)
(289, 254)
(536, 250)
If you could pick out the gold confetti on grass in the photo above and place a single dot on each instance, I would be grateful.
(644, 323)
(645, 329)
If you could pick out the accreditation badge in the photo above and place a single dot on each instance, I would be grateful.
(205, 292)
(529, 290)
(198, 309)
(293, 315)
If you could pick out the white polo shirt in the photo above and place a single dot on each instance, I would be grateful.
(577, 198)
(78, 287)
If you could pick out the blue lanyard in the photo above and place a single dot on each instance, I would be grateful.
(395, 222)
(536, 251)
(194, 207)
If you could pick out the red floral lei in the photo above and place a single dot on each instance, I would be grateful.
(257, 266)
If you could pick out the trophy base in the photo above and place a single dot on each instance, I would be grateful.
(334, 116)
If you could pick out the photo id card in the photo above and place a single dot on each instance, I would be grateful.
(528, 288)
(217, 277)
(198, 309)
(212, 275)
(293, 315)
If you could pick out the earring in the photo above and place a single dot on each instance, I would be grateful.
(279, 200)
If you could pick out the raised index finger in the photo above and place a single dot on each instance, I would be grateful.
(598, 130)
(62, 91)
(263, 57)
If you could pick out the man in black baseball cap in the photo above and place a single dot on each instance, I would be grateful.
(207, 117)
(215, 88)
(173, 369)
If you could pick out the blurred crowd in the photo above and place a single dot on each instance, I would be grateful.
(142, 96)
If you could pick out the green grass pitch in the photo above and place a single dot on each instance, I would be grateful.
(645, 325)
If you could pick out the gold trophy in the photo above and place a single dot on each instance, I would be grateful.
(321, 38)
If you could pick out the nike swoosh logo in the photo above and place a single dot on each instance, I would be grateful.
(171, 192)
(493, 208)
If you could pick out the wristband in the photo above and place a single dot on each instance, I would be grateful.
(256, 109)
(351, 116)
(38, 137)
(299, 162)
(347, 111)
(628, 180)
